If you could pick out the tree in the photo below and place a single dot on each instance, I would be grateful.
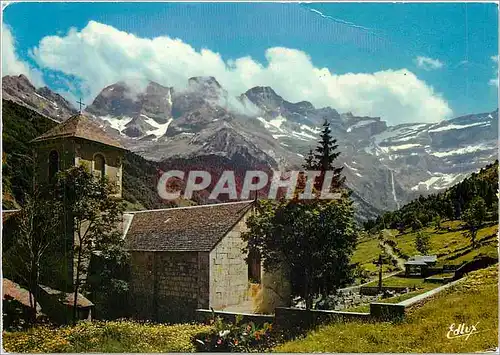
(325, 156)
(107, 282)
(36, 226)
(309, 160)
(422, 243)
(416, 224)
(437, 222)
(94, 214)
(313, 241)
(474, 217)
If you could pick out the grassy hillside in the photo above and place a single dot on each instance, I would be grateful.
(450, 244)
(439, 218)
(21, 125)
(473, 300)
(366, 255)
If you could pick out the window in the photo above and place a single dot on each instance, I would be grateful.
(99, 165)
(53, 164)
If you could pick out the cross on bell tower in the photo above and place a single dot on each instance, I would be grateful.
(81, 104)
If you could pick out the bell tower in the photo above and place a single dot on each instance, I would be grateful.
(79, 141)
(75, 142)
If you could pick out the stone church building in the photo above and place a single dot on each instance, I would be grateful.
(187, 258)
(182, 258)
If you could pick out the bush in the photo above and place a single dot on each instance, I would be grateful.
(236, 337)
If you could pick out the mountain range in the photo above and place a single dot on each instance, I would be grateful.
(385, 166)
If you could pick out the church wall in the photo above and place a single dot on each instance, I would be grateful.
(168, 286)
(80, 152)
(229, 270)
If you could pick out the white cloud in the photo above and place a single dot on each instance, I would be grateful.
(427, 63)
(11, 64)
(494, 81)
(101, 55)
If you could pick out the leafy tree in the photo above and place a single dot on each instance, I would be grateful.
(94, 214)
(36, 231)
(422, 243)
(314, 241)
(107, 282)
(437, 222)
(474, 217)
(416, 224)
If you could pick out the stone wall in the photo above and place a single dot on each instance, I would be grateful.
(74, 152)
(65, 149)
(168, 286)
(374, 290)
(205, 315)
(85, 152)
(229, 270)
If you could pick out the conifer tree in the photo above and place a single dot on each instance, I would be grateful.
(325, 156)
(309, 161)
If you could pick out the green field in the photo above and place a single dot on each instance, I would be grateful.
(473, 300)
(446, 244)
(366, 253)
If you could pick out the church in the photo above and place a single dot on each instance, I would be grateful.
(182, 259)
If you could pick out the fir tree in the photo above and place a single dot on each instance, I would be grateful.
(325, 156)
(310, 161)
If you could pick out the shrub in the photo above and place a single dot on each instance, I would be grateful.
(236, 337)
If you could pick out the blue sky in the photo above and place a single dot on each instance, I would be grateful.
(458, 40)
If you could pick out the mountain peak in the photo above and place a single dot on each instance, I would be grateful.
(262, 90)
(204, 82)
(43, 100)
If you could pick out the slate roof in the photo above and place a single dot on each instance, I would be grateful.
(421, 260)
(67, 298)
(416, 262)
(79, 126)
(194, 228)
(15, 291)
(424, 258)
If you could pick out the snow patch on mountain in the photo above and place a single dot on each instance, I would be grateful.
(312, 130)
(160, 128)
(403, 146)
(439, 181)
(117, 123)
(360, 124)
(350, 167)
(455, 126)
(464, 150)
(277, 121)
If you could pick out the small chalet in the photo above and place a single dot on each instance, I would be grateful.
(418, 265)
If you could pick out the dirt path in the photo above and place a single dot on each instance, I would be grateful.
(390, 251)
